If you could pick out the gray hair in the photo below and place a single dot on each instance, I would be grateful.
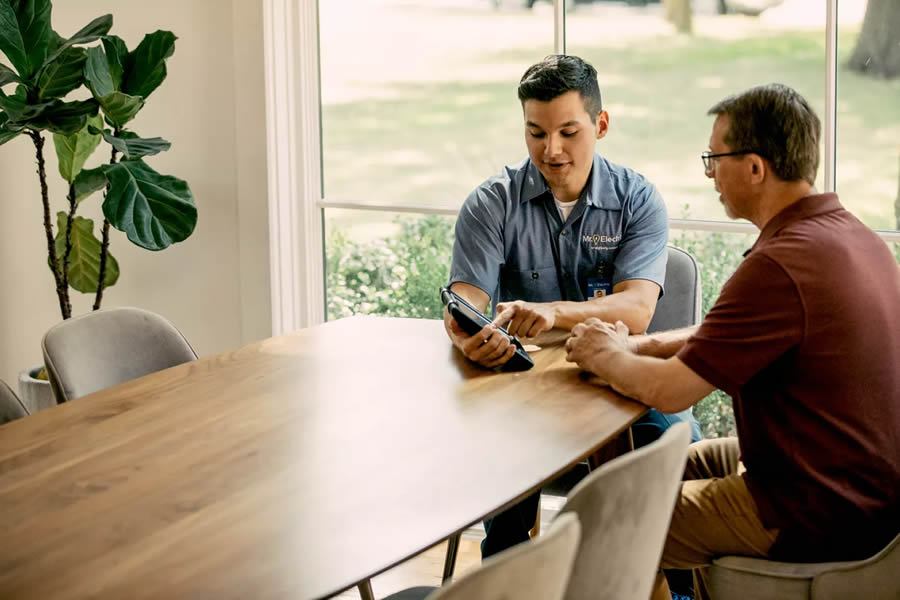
(777, 123)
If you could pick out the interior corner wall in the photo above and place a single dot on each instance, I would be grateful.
(214, 285)
(252, 194)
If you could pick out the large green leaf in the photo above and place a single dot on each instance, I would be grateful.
(153, 210)
(7, 75)
(145, 68)
(73, 150)
(11, 42)
(87, 34)
(89, 181)
(6, 134)
(16, 104)
(102, 73)
(63, 117)
(119, 108)
(116, 57)
(25, 34)
(63, 75)
(84, 258)
(97, 73)
(131, 146)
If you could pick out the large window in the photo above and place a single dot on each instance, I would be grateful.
(419, 106)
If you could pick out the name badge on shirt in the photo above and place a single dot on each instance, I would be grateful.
(598, 288)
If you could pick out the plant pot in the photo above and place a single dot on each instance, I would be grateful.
(35, 394)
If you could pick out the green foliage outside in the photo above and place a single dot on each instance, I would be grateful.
(717, 255)
(397, 277)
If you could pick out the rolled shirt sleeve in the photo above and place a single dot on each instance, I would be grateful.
(478, 249)
(642, 253)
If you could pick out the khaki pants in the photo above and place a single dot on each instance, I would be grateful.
(714, 515)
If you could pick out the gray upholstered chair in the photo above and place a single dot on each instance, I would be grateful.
(11, 408)
(681, 304)
(625, 507)
(103, 348)
(535, 570)
(876, 578)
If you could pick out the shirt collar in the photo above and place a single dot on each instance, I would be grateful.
(599, 191)
(808, 206)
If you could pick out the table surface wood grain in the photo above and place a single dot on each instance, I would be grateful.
(290, 468)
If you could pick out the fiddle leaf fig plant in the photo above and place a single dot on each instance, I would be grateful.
(112, 83)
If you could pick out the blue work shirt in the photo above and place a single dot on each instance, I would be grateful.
(512, 243)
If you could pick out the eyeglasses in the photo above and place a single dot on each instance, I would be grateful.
(707, 157)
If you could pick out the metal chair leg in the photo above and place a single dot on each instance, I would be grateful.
(450, 558)
(536, 529)
(365, 590)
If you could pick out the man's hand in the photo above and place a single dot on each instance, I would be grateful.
(489, 347)
(526, 319)
(593, 342)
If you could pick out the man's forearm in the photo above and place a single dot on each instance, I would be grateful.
(664, 384)
(662, 344)
(623, 307)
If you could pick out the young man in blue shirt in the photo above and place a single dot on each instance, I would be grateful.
(561, 237)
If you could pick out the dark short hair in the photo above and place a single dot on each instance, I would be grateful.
(777, 123)
(558, 74)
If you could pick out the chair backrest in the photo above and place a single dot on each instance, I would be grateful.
(103, 348)
(875, 578)
(680, 306)
(536, 570)
(11, 408)
(625, 508)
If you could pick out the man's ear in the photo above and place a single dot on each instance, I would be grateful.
(602, 124)
(758, 168)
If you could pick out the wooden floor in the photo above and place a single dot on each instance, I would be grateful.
(424, 569)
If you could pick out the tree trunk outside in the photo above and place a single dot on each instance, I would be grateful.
(678, 13)
(877, 51)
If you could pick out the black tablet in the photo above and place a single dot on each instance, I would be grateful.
(471, 320)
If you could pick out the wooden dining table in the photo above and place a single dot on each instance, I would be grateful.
(295, 467)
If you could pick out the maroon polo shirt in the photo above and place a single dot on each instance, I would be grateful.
(805, 338)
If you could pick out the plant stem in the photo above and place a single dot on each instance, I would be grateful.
(61, 294)
(104, 250)
(104, 240)
(69, 219)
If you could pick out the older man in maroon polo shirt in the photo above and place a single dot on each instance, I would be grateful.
(805, 337)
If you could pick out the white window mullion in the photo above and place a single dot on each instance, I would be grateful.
(559, 26)
(830, 120)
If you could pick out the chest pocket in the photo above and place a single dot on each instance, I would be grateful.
(532, 285)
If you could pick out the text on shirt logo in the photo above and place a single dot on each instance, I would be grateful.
(596, 239)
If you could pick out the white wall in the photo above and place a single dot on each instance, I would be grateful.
(215, 285)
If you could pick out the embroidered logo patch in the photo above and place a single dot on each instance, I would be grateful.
(597, 241)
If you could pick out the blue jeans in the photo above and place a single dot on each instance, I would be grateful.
(511, 527)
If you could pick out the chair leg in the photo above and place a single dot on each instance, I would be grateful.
(536, 530)
(365, 590)
(450, 558)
